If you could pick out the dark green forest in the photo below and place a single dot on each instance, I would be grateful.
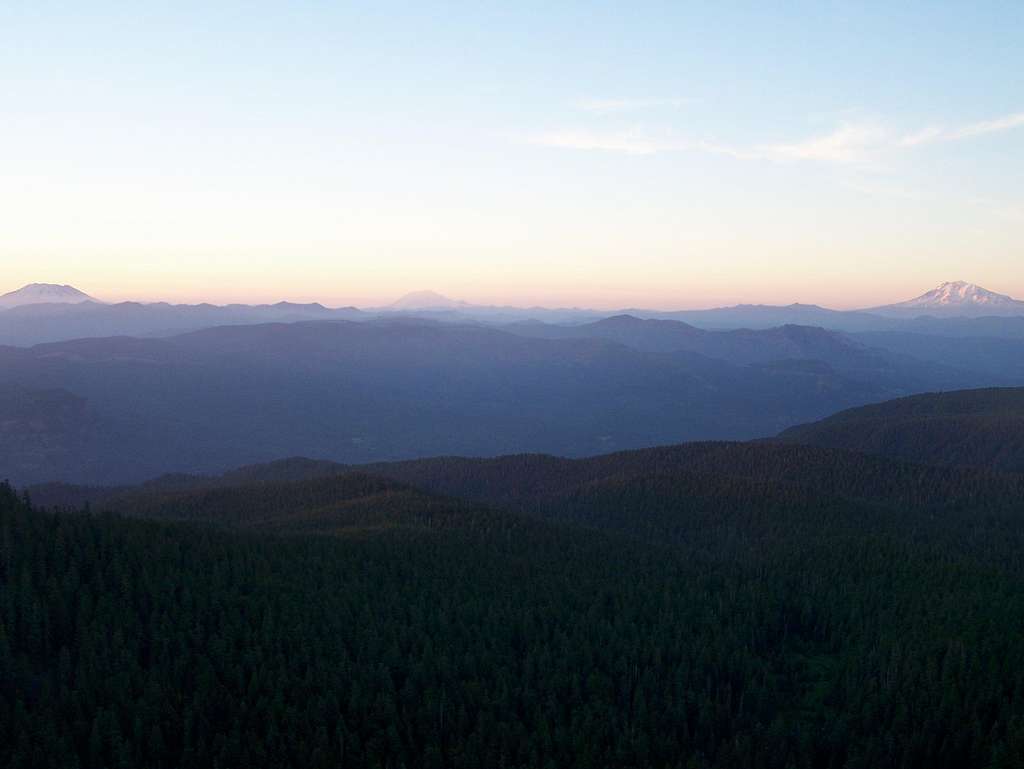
(727, 615)
(979, 428)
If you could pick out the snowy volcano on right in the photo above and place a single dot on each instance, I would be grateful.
(957, 298)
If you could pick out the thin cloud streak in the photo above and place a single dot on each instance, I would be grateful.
(937, 134)
(850, 143)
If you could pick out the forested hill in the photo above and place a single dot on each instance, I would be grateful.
(979, 428)
(657, 495)
(759, 625)
(347, 503)
(709, 605)
(526, 480)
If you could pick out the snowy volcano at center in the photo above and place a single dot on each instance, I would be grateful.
(426, 300)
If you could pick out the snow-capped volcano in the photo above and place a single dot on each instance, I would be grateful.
(44, 293)
(426, 300)
(956, 298)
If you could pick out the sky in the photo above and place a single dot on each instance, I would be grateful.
(671, 155)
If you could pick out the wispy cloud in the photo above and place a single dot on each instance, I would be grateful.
(607, 106)
(863, 142)
(934, 134)
(850, 143)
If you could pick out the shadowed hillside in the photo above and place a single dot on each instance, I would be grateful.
(711, 606)
(337, 504)
(980, 428)
(665, 492)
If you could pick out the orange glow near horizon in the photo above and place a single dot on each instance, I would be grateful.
(507, 164)
(718, 291)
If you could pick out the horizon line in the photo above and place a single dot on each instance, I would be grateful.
(447, 303)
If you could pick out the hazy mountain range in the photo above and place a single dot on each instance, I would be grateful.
(50, 313)
(127, 391)
(121, 408)
(40, 323)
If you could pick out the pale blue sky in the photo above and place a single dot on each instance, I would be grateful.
(659, 154)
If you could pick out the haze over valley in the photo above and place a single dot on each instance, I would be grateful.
(256, 383)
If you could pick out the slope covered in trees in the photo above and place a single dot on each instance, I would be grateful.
(658, 494)
(529, 480)
(710, 604)
(979, 428)
(711, 474)
(346, 503)
(721, 605)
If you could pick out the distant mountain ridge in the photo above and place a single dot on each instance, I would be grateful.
(50, 313)
(954, 301)
(32, 324)
(739, 346)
